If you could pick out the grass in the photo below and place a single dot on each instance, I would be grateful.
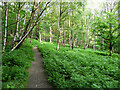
(79, 68)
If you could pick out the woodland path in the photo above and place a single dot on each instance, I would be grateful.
(37, 76)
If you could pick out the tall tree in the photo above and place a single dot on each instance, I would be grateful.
(25, 34)
(69, 27)
(6, 18)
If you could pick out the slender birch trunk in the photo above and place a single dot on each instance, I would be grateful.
(17, 27)
(76, 40)
(21, 31)
(17, 24)
(5, 37)
(81, 39)
(54, 34)
(85, 33)
(73, 31)
(59, 35)
(31, 35)
(59, 27)
(64, 36)
(69, 29)
(39, 33)
(82, 36)
(102, 44)
(94, 46)
(23, 38)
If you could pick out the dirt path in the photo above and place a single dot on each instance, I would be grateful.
(37, 75)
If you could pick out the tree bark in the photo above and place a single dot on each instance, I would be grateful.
(50, 34)
(94, 46)
(32, 35)
(69, 29)
(76, 40)
(85, 33)
(58, 35)
(23, 38)
(81, 43)
(17, 26)
(64, 36)
(5, 37)
(59, 26)
(102, 44)
(73, 31)
(21, 31)
(39, 33)
(110, 40)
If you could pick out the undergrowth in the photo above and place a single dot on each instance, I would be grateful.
(15, 66)
(79, 68)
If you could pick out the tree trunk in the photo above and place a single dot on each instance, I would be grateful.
(85, 46)
(81, 43)
(76, 40)
(5, 37)
(17, 27)
(21, 31)
(69, 34)
(50, 34)
(17, 24)
(64, 37)
(59, 35)
(53, 36)
(72, 41)
(94, 47)
(23, 38)
(69, 29)
(85, 39)
(73, 31)
(39, 33)
(32, 35)
(44, 36)
(102, 44)
(59, 26)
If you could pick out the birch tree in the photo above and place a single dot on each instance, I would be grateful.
(25, 34)
(5, 35)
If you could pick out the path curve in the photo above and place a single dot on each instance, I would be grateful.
(37, 76)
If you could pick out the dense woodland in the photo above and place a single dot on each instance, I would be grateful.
(62, 22)
(66, 25)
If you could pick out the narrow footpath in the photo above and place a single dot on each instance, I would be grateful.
(37, 76)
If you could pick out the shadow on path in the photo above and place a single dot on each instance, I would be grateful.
(37, 76)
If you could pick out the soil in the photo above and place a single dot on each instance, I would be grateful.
(37, 75)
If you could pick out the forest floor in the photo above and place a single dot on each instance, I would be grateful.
(37, 75)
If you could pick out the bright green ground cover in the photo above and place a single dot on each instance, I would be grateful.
(79, 68)
(15, 66)
(66, 68)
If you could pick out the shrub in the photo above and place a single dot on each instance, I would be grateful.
(79, 68)
(15, 66)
